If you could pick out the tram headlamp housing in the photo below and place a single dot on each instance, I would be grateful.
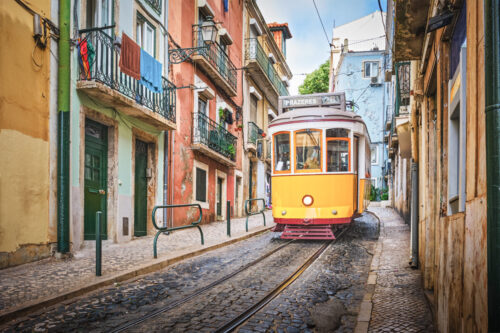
(307, 200)
(283, 212)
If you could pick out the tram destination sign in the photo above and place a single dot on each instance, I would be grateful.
(287, 103)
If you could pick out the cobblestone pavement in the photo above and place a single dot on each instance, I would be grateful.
(399, 304)
(331, 288)
(35, 281)
(326, 297)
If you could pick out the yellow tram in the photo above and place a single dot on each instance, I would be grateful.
(321, 165)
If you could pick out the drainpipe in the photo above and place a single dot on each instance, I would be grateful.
(63, 115)
(165, 176)
(492, 110)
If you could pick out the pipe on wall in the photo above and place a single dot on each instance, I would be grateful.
(414, 214)
(63, 119)
(492, 111)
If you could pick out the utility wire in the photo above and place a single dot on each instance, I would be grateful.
(321, 21)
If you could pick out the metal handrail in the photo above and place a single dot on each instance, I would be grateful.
(250, 213)
(253, 132)
(104, 59)
(213, 135)
(254, 51)
(168, 230)
(216, 56)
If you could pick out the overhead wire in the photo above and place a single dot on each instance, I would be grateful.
(321, 21)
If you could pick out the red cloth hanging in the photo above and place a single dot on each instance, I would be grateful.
(130, 57)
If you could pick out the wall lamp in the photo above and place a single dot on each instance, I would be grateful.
(208, 34)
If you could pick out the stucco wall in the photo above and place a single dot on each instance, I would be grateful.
(24, 137)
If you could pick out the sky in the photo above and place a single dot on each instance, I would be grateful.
(309, 47)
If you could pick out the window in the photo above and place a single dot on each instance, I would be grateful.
(456, 137)
(374, 154)
(202, 106)
(201, 185)
(100, 13)
(145, 35)
(308, 150)
(253, 108)
(370, 69)
(200, 181)
(337, 150)
(282, 152)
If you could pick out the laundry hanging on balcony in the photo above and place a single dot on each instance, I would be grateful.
(86, 57)
(151, 71)
(226, 5)
(130, 57)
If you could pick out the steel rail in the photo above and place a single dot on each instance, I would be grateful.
(247, 314)
(197, 292)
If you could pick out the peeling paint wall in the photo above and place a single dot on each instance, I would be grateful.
(26, 230)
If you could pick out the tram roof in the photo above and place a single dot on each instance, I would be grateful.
(316, 113)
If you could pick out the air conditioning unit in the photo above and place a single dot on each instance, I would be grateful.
(375, 81)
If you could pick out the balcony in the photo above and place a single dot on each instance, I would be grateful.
(388, 117)
(213, 140)
(155, 5)
(110, 87)
(263, 72)
(254, 134)
(215, 62)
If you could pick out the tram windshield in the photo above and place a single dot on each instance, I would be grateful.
(308, 149)
(337, 150)
(282, 152)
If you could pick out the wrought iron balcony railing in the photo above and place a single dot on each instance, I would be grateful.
(402, 86)
(211, 134)
(216, 56)
(103, 68)
(155, 4)
(254, 132)
(254, 51)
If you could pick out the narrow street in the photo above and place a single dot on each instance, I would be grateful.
(333, 283)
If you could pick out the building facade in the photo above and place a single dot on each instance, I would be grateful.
(445, 165)
(361, 76)
(28, 136)
(265, 79)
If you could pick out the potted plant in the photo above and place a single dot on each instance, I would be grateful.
(221, 115)
(240, 127)
(264, 134)
(231, 150)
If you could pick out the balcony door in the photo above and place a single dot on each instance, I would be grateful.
(141, 189)
(100, 14)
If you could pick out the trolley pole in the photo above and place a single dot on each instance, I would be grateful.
(98, 244)
(228, 217)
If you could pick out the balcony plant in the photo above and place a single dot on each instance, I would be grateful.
(231, 150)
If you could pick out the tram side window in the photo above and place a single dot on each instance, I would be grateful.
(337, 150)
(308, 150)
(282, 152)
(337, 155)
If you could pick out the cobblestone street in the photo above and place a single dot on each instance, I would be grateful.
(325, 298)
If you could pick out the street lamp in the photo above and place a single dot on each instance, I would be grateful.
(208, 34)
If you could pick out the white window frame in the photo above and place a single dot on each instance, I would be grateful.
(457, 144)
(203, 166)
(376, 155)
(372, 62)
(142, 26)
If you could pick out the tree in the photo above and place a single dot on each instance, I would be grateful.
(317, 81)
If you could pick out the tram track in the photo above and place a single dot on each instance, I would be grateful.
(247, 314)
(198, 292)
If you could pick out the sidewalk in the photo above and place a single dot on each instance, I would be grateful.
(394, 300)
(27, 288)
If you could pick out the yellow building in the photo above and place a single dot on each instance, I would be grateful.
(27, 131)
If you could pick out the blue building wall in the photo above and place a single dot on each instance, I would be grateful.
(369, 100)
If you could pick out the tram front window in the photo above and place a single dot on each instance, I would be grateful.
(337, 155)
(308, 150)
(282, 152)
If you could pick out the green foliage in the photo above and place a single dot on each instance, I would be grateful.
(384, 194)
(373, 193)
(317, 81)
(231, 150)
(222, 115)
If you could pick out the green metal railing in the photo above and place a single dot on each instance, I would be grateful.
(216, 56)
(249, 212)
(254, 132)
(155, 5)
(104, 57)
(402, 86)
(254, 51)
(167, 230)
(211, 134)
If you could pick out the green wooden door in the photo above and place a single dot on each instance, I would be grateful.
(141, 189)
(219, 196)
(95, 178)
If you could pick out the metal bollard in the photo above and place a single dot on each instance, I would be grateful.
(228, 216)
(98, 244)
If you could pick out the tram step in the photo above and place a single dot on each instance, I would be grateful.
(308, 232)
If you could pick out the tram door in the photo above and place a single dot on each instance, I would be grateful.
(356, 171)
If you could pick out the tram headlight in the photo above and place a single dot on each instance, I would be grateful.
(307, 200)
(283, 212)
